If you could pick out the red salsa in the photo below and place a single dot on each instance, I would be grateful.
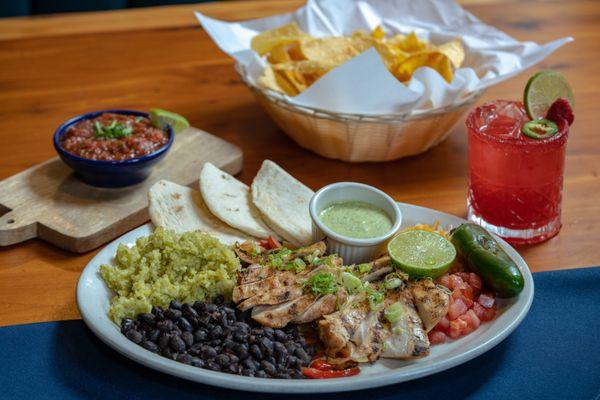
(113, 137)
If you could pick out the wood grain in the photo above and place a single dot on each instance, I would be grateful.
(49, 72)
(47, 201)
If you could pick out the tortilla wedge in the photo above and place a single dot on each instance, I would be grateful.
(230, 201)
(283, 203)
(182, 209)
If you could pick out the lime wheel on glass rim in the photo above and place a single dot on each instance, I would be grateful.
(542, 90)
(421, 254)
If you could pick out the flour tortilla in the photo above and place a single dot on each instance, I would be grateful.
(230, 201)
(283, 203)
(182, 209)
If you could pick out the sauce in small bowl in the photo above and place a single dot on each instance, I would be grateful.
(355, 219)
(112, 148)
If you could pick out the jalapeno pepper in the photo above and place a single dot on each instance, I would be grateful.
(539, 129)
(484, 255)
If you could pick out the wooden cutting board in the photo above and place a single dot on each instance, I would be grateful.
(47, 201)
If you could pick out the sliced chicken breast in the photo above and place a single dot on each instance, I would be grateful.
(431, 301)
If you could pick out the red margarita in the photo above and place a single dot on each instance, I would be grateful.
(515, 181)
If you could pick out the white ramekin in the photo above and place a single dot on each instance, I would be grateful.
(352, 250)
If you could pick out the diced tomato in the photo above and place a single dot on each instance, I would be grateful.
(464, 276)
(273, 243)
(456, 282)
(484, 314)
(444, 280)
(436, 337)
(475, 281)
(457, 307)
(456, 328)
(474, 319)
(443, 325)
(264, 243)
(486, 300)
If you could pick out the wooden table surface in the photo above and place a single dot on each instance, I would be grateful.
(54, 67)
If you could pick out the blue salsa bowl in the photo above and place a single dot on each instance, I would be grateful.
(106, 173)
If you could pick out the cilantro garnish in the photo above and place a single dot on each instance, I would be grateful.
(321, 284)
(114, 130)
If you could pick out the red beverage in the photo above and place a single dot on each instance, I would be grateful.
(515, 182)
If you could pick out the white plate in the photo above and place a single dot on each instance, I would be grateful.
(93, 300)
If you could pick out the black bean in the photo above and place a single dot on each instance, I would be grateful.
(255, 351)
(281, 359)
(197, 362)
(234, 368)
(188, 338)
(144, 327)
(175, 305)
(248, 372)
(200, 335)
(165, 326)
(240, 337)
(257, 332)
(249, 363)
(216, 332)
(228, 344)
(290, 346)
(233, 359)
(279, 335)
(222, 359)
(127, 324)
(189, 311)
(167, 352)
(266, 345)
(302, 355)
(241, 327)
(268, 367)
(157, 310)
(153, 335)
(208, 352)
(224, 321)
(184, 325)
(271, 359)
(177, 343)
(163, 340)
(211, 308)
(283, 375)
(296, 374)
(268, 332)
(147, 318)
(261, 374)
(135, 336)
(218, 300)
(294, 361)
(184, 358)
(148, 345)
(213, 366)
(204, 320)
(279, 348)
(173, 314)
(200, 306)
(196, 349)
(253, 339)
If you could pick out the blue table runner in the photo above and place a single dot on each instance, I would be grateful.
(553, 354)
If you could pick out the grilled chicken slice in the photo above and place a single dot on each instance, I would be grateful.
(324, 305)
(279, 315)
(431, 302)
(405, 338)
(274, 296)
(254, 273)
(379, 268)
(317, 249)
(276, 280)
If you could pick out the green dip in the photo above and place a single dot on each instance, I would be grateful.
(356, 219)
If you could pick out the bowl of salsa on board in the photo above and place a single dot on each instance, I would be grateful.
(112, 148)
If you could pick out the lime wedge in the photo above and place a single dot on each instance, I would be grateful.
(543, 89)
(421, 253)
(162, 118)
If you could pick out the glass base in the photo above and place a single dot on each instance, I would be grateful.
(517, 236)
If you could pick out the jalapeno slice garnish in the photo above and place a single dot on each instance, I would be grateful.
(540, 129)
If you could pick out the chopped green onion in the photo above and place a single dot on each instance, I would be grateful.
(375, 297)
(393, 281)
(394, 312)
(321, 284)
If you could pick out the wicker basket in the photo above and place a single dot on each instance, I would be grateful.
(356, 138)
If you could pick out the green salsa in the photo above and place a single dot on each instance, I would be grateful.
(356, 219)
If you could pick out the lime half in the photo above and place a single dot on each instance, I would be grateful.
(543, 89)
(422, 253)
(162, 118)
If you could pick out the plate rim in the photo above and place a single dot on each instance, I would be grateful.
(96, 323)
